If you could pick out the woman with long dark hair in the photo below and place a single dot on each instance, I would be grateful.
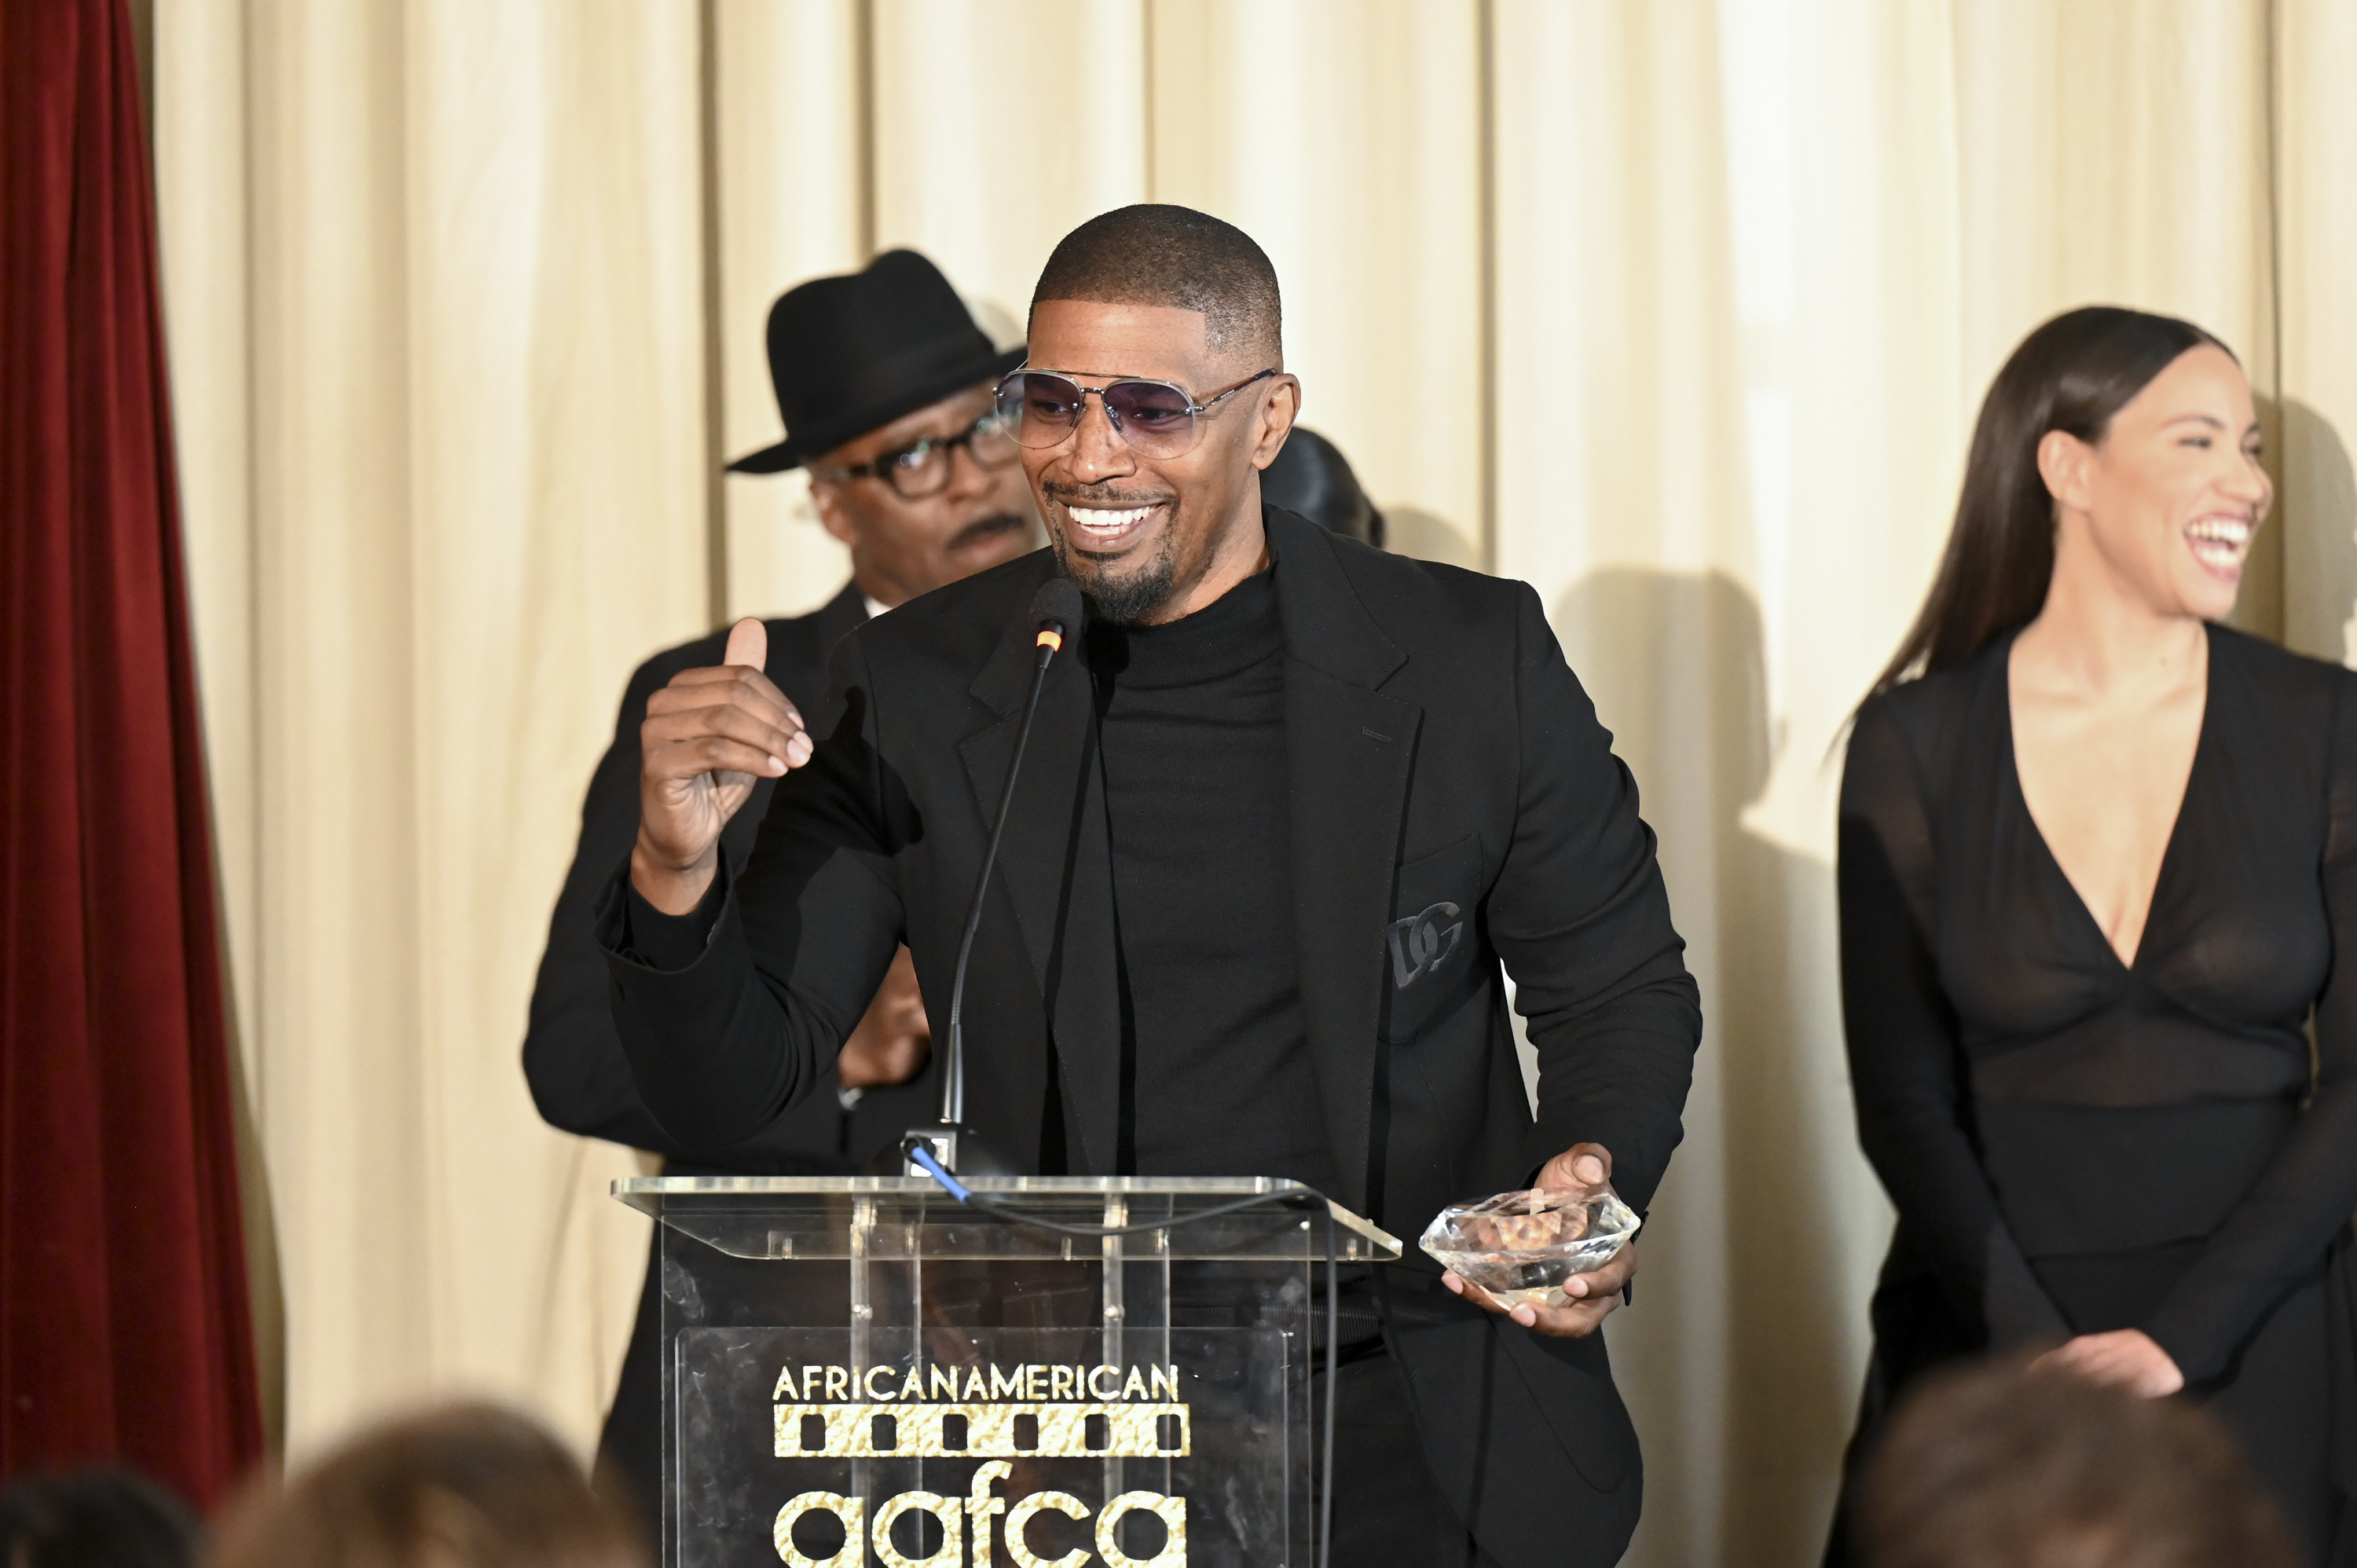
(2098, 897)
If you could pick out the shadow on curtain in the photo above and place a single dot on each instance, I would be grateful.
(1676, 663)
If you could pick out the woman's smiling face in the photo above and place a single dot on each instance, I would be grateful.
(2173, 494)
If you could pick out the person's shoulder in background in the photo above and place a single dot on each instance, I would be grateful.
(1311, 478)
(799, 645)
(2278, 684)
(1445, 618)
(1917, 735)
(1924, 704)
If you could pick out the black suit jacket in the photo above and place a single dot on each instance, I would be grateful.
(573, 1058)
(1445, 770)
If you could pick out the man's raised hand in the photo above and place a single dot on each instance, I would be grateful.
(708, 737)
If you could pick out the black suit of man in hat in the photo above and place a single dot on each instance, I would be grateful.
(1279, 751)
(885, 384)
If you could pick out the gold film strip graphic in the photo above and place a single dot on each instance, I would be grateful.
(1139, 1431)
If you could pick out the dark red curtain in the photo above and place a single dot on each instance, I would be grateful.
(125, 1332)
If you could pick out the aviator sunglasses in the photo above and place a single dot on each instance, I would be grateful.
(1042, 408)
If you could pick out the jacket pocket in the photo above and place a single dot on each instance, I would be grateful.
(1432, 944)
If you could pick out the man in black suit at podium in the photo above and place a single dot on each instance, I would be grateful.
(1280, 826)
(884, 383)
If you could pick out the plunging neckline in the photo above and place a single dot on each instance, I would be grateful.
(2202, 744)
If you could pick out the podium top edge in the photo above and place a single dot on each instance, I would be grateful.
(1202, 1187)
(647, 1194)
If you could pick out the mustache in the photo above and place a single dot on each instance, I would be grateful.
(989, 527)
(1100, 496)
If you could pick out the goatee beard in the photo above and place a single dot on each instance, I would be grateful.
(1122, 601)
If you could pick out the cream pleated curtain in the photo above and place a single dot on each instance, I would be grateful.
(1679, 310)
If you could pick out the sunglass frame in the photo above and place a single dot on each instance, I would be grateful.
(1194, 411)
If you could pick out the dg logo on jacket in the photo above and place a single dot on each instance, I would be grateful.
(1421, 944)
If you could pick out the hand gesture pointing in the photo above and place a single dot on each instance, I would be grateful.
(708, 737)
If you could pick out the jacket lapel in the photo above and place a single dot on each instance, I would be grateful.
(1350, 751)
(1054, 866)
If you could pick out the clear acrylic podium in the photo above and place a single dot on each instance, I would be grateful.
(861, 1370)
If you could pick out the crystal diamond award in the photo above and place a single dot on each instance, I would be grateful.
(1522, 1246)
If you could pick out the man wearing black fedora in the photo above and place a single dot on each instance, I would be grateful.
(885, 382)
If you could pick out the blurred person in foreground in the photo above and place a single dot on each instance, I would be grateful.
(1272, 756)
(470, 1486)
(884, 380)
(101, 1517)
(2010, 1466)
(2098, 883)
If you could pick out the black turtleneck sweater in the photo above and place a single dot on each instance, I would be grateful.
(1216, 1075)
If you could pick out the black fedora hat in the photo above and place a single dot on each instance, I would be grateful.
(857, 350)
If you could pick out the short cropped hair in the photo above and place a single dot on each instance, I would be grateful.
(2004, 1464)
(1155, 253)
(469, 1486)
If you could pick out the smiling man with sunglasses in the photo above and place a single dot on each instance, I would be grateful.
(1285, 826)
(885, 383)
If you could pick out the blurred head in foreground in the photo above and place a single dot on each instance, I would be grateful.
(2003, 1466)
(465, 1487)
(98, 1518)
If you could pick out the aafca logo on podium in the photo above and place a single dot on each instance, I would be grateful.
(994, 1414)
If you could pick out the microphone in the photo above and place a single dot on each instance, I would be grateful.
(1055, 615)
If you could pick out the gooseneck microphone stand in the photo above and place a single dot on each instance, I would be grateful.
(951, 1144)
(951, 1149)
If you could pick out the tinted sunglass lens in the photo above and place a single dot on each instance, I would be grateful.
(1153, 416)
(1039, 410)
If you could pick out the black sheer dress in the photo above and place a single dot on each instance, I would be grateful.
(2075, 1145)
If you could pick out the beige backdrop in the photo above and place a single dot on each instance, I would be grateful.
(1678, 309)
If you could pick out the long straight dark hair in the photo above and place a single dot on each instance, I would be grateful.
(2072, 374)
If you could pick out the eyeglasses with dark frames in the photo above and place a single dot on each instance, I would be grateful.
(1157, 419)
(923, 467)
